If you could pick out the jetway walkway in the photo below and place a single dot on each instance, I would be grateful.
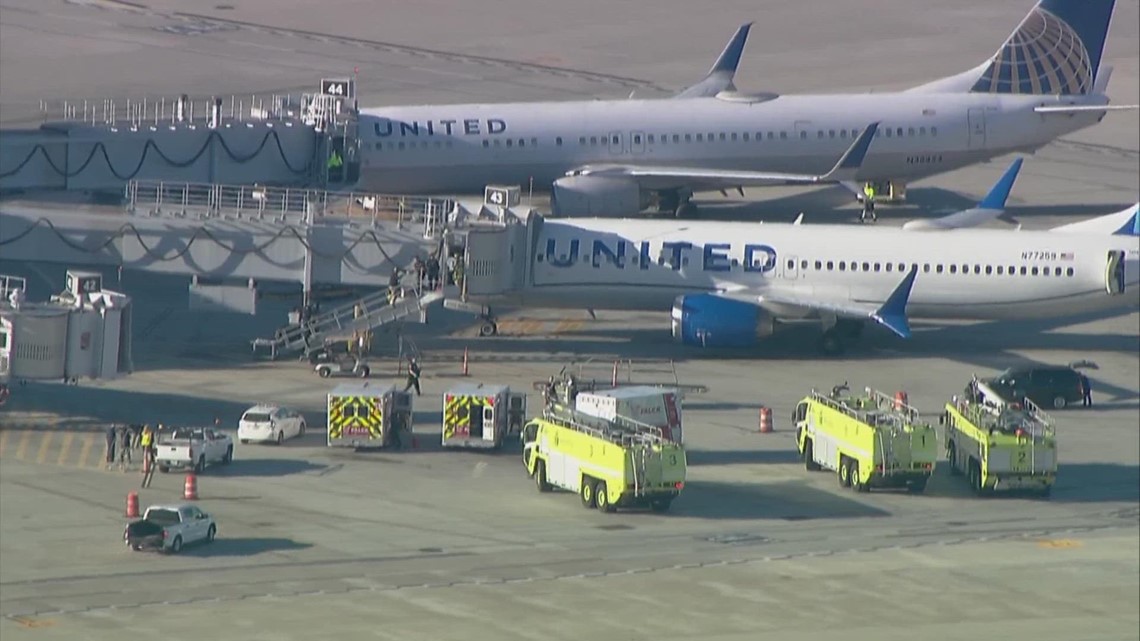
(365, 314)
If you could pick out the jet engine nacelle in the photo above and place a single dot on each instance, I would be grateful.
(595, 196)
(707, 320)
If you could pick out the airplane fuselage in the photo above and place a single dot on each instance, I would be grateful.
(964, 274)
(462, 148)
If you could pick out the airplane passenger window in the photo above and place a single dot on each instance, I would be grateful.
(965, 269)
(637, 139)
(910, 131)
(977, 269)
(783, 135)
(934, 131)
(899, 132)
(791, 264)
(888, 133)
(534, 142)
(722, 137)
(803, 264)
(842, 133)
(830, 265)
(486, 143)
(878, 266)
(953, 269)
(438, 144)
(401, 145)
(734, 137)
(819, 134)
(510, 143)
(818, 265)
(842, 266)
(866, 267)
(989, 269)
(1012, 271)
(498, 143)
(449, 145)
(676, 138)
(922, 131)
(379, 146)
(890, 266)
(1057, 271)
(581, 140)
(902, 267)
(712, 137)
(1034, 272)
(616, 140)
(926, 268)
(1069, 272)
(803, 135)
(558, 141)
(746, 138)
(689, 137)
(830, 133)
(1023, 270)
(700, 137)
(938, 268)
(650, 139)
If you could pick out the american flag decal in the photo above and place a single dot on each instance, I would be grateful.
(1066, 256)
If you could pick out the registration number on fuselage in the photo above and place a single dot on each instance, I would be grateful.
(1036, 255)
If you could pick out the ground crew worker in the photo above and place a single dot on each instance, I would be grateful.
(334, 165)
(124, 447)
(413, 376)
(393, 285)
(1086, 389)
(451, 262)
(146, 442)
(458, 274)
(420, 267)
(868, 203)
(432, 273)
(112, 438)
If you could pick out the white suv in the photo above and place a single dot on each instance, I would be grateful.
(270, 424)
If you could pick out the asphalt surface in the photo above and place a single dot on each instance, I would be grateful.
(434, 545)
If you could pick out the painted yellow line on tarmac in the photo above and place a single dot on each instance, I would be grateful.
(22, 448)
(41, 455)
(4, 441)
(65, 448)
(83, 453)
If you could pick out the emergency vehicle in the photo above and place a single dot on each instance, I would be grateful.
(608, 463)
(477, 415)
(369, 415)
(869, 441)
(1001, 448)
(656, 406)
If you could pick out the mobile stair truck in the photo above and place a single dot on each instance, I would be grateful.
(869, 441)
(1002, 448)
(368, 414)
(608, 463)
(476, 415)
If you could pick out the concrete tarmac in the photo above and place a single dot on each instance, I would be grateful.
(429, 544)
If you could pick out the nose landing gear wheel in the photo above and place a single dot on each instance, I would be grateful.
(488, 328)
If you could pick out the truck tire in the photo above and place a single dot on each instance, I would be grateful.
(587, 493)
(844, 472)
(856, 484)
(602, 498)
(661, 505)
(916, 487)
(211, 533)
(809, 457)
(1059, 402)
(974, 474)
(324, 372)
(176, 545)
(540, 477)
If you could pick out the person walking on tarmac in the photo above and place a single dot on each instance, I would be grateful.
(146, 443)
(413, 376)
(124, 447)
(112, 438)
(868, 203)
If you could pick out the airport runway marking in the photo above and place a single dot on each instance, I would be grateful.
(22, 448)
(45, 443)
(1059, 544)
(65, 448)
(3, 441)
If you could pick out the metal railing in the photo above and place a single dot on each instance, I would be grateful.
(283, 204)
(171, 110)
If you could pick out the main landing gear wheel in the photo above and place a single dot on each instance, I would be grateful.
(831, 342)
(488, 328)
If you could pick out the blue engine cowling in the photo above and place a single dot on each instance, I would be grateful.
(707, 320)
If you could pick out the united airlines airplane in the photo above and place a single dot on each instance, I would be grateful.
(618, 157)
(731, 284)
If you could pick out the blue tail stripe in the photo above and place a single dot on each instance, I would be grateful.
(729, 59)
(1000, 191)
(1132, 226)
(892, 314)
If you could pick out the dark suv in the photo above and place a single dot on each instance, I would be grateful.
(1053, 386)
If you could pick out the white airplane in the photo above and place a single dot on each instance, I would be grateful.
(731, 284)
(618, 157)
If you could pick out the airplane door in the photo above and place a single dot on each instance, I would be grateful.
(1114, 273)
(636, 143)
(615, 143)
(791, 268)
(976, 123)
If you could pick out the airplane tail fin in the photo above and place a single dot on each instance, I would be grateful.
(1056, 50)
(719, 78)
(989, 208)
(1125, 222)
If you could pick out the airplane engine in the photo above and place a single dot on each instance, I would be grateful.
(596, 196)
(707, 320)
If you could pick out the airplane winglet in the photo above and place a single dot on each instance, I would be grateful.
(852, 159)
(729, 59)
(892, 314)
(719, 77)
(1132, 226)
(1000, 191)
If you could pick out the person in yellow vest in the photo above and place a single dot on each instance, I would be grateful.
(868, 203)
(146, 442)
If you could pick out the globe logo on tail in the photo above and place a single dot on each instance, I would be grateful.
(1044, 56)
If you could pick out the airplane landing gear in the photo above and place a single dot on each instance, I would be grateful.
(676, 202)
(839, 336)
(488, 325)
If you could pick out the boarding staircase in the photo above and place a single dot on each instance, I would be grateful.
(365, 314)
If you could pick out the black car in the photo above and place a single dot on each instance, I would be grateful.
(1055, 386)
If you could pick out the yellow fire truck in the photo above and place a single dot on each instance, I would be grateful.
(869, 441)
(609, 463)
(369, 415)
(1001, 448)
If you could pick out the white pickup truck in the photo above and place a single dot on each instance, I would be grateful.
(194, 448)
(167, 528)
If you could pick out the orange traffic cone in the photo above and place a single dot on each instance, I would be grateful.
(765, 420)
(132, 505)
(190, 489)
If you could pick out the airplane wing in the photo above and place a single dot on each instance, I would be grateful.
(652, 177)
(990, 207)
(720, 77)
(890, 314)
